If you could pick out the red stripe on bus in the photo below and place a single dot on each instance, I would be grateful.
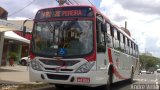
(110, 55)
(115, 72)
(118, 74)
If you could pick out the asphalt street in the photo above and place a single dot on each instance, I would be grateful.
(141, 82)
(16, 75)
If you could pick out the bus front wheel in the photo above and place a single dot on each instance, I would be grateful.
(109, 80)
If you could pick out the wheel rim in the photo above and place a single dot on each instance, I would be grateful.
(23, 63)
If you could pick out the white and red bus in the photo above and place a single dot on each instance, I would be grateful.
(77, 45)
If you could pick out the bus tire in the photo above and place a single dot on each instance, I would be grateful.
(109, 80)
(132, 75)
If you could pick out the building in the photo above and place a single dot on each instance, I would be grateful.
(3, 13)
(14, 42)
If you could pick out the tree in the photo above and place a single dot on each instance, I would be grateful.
(148, 62)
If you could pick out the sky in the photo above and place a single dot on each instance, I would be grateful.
(142, 16)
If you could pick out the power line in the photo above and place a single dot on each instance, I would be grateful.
(70, 2)
(75, 2)
(67, 2)
(91, 2)
(21, 9)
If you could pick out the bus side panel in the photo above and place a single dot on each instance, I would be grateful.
(122, 65)
(102, 63)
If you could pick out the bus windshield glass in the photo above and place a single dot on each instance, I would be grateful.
(63, 38)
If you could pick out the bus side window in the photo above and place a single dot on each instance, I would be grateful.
(122, 42)
(137, 51)
(108, 36)
(128, 44)
(132, 48)
(108, 29)
(136, 47)
(133, 45)
(112, 35)
(116, 37)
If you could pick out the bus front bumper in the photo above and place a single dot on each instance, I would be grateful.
(91, 79)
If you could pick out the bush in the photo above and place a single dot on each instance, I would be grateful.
(13, 55)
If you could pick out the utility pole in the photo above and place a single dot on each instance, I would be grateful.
(1, 45)
(125, 25)
(61, 2)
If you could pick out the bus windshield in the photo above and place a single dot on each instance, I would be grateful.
(63, 38)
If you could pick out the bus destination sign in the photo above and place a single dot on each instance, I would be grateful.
(64, 12)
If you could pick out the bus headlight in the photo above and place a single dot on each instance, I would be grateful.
(36, 65)
(85, 67)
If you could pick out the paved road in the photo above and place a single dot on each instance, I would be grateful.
(141, 82)
(15, 73)
(20, 73)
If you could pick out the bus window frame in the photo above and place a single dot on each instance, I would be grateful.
(51, 19)
(101, 45)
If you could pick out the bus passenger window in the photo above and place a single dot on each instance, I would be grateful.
(108, 29)
(116, 41)
(130, 46)
(122, 42)
(108, 36)
(126, 45)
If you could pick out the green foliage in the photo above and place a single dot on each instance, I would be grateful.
(13, 55)
(148, 62)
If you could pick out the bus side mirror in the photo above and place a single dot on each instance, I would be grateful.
(24, 30)
(104, 27)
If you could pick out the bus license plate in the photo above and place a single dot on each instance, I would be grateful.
(83, 79)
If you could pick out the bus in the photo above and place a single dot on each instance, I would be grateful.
(78, 45)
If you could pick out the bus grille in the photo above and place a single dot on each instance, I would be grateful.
(54, 69)
(59, 62)
(58, 77)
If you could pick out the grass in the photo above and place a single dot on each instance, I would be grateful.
(30, 86)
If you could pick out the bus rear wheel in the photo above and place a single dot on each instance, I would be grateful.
(132, 75)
